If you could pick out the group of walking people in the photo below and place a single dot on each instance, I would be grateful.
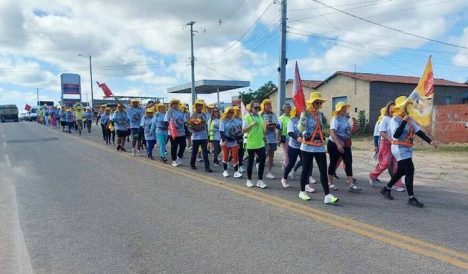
(228, 135)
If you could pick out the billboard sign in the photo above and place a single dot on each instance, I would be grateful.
(70, 102)
(70, 83)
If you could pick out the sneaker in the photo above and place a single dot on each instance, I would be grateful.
(398, 189)
(414, 202)
(386, 193)
(332, 186)
(270, 175)
(133, 152)
(123, 149)
(354, 188)
(312, 180)
(309, 189)
(241, 169)
(175, 163)
(284, 183)
(216, 164)
(303, 196)
(237, 174)
(208, 170)
(199, 160)
(249, 183)
(261, 184)
(374, 182)
(330, 200)
(193, 167)
(179, 161)
(225, 173)
(291, 174)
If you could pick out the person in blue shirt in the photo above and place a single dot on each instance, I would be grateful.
(121, 121)
(198, 126)
(403, 129)
(63, 118)
(272, 132)
(229, 133)
(214, 135)
(150, 135)
(176, 116)
(89, 119)
(159, 126)
(105, 119)
(135, 114)
(70, 119)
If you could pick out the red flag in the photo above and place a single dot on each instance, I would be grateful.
(297, 92)
(172, 129)
(105, 89)
(27, 107)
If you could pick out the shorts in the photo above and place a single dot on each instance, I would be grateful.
(63, 123)
(135, 133)
(271, 147)
(122, 133)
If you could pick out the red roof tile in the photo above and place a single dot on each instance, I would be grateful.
(307, 83)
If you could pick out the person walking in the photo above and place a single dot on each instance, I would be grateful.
(105, 119)
(79, 114)
(89, 118)
(403, 129)
(135, 113)
(240, 137)
(339, 145)
(178, 118)
(312, 146)
(121, 121)
(148, 131)
(98, 118)
(69, 118)
(63, 118)
(284, 137)
(215, 137)
(272, 125)
(254, 126)
(160, 127)
(228, 132)
(198, 127)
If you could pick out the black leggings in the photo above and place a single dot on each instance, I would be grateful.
(216, 150)
(405, 168)
(103, 128)
(335, 154)
(240, 154)
(293, 153)
(204, 147)
(180, 143)
(307, 165)
(260, 152)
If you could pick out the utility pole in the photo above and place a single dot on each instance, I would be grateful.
(37, 94)
(282, 59)
(91, 82)
(192, 62)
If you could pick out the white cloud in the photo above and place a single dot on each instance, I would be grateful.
(461, 58)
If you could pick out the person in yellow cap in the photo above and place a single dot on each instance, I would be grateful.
(273, 126)
(160, 127)
(214, 135)
(79, 115)
(339, 146)
(101, 112)
(403, 129)
(312, 146)
(178, 143)
(121, 121)
(149, 133)
(384, 154)
(254, 126)
(228, 132)
(198, 126)
(240, 140)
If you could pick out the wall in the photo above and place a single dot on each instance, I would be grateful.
(450, 123)
(357, 92)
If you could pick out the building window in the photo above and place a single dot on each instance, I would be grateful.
(336, 100)
(355, 110)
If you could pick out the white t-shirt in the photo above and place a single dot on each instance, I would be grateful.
(385, 125)
(377, 129)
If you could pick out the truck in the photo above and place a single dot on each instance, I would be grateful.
(9, 113)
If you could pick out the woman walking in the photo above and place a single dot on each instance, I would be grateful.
(160, 127)
(339, 145)
(228, 132)
(178, 118)
(272, 125)
(312, 146)
(254, 126)
(105, 119)
(403, 129)
(122, 125)
(149, 134)
(215, 137)
(198, 126)
(284, 137)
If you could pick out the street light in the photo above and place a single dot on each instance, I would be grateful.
(90, 76)
(37, 94)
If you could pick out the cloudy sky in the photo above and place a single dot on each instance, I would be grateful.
(142, 47)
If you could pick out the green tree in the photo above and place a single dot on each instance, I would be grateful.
(362, 122)
(260, 94)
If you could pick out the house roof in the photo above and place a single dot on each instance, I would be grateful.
(307, 83)
(372, 77)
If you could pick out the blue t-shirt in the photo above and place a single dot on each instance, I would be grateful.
(341, 126)
(401, 152)
(135, 115)
(200, 134)
(121, 120)
(239, 124)
(69, 116)
(146, 123)
(270, 133)
(104, 119)
(292, 127)
(63, 116)
(229, 129)
(307, 125)
(179, 118)
(89, 115)
(157, 123)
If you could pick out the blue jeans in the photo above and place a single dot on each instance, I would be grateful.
(149, 147)
(162, 140)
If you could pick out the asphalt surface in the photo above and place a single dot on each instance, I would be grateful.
(70, 204)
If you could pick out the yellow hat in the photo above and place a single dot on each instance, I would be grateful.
(161, 105)
(134, 101)
(315, 96)
(339, 106)
(211, 106)
(226, 110)
(199, 102)
(382, 114)
(248, 106)
(293, 112)
(265, 102)
(149, 110)
(174, 100)
(400, 103)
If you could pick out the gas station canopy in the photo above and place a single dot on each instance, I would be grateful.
(209, 86)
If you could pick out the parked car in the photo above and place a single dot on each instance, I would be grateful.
(8, 113)
(24, 116)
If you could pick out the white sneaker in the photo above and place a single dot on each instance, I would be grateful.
(133, 152)
(309, 189)
(261, 184)
(270, 175)
(312, 180)
(284, 183)
(332, 186)
(303, 196)
(179, 161)
(398, 189)
(373, 182)
(175, 164)
(291, 174)
(237, 174)
(330, 200)
(241, 169)
(249, 183)
(225, 173)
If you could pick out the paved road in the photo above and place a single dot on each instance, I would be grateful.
(72, 205)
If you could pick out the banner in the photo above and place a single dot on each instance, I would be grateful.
(27, 107)
(297, 91)
(105, 89)
(420, 103)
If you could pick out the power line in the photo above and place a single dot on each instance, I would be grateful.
(388, 27)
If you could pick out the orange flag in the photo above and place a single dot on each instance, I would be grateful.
(421, 101)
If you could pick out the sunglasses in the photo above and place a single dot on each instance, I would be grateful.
(318, 103)
(257, 108)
